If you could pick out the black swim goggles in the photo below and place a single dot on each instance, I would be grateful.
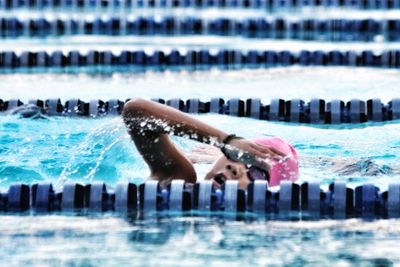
(254, 173)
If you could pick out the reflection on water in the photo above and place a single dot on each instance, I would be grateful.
(196, 241)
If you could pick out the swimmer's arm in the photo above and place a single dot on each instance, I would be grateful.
(204, 154)
(142, 115)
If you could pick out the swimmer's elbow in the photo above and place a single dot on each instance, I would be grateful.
(135, 107)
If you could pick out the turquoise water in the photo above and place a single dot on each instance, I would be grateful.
(87, 150)
(59, 149)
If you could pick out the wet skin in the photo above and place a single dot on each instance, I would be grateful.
(225, 170)
(150, 124)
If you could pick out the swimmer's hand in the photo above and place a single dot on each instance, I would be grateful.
(251, 153)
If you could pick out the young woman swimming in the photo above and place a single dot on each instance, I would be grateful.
(150, 124)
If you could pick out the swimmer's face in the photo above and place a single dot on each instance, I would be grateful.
(224, 169)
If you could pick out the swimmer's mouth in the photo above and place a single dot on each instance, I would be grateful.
(220, 179)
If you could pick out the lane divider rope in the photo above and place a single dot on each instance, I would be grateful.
(308, 199)
(247, 4)
(278, 28)
(315, 111)
(193, 59)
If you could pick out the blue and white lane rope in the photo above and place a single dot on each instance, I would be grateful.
(305, 200)
(315, 111)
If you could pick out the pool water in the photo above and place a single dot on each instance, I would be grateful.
(60, 149)
(304, 83)
(86, 150)
(195, 241)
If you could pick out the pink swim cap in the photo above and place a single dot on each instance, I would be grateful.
(281, 170)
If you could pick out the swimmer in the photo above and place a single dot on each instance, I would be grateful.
(30, 111)
(150, 124)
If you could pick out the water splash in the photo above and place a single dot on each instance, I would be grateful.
(93, 150)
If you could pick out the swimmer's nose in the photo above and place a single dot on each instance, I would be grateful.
(233, 170)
